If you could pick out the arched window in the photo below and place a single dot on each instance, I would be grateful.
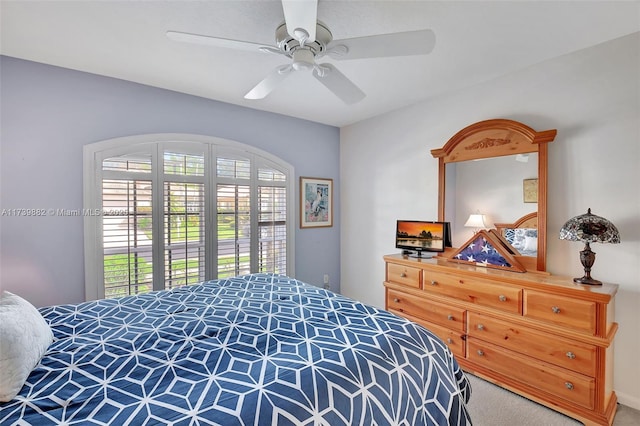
(167, 210)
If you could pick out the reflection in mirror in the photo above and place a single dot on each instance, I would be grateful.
(492, 187)
(522, 234)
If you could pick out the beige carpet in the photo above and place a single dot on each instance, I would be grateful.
(491, 405)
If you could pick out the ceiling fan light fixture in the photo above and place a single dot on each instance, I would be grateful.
(303, 59)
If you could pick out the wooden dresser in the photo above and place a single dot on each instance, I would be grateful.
(538, 335)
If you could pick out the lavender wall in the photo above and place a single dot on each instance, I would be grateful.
(48, 114)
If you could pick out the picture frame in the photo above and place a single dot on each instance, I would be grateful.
(316, 202)
(530, 190)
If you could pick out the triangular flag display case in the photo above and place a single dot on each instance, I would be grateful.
(489, 249)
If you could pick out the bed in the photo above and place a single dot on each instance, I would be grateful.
(260, 349)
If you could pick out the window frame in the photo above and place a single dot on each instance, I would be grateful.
(155, 144)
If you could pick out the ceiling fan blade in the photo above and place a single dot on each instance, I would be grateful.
(216, 41)
(338, 83)
(406, 43)
(301, 15)
(270, 82)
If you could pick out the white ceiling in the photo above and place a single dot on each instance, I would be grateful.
(475, 41)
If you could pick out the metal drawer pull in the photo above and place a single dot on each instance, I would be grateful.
(571, 355)
(568, 385)
(450, 317)
(449, 340)
(403, 275)
(434, 282)
(480, 352)
(480, 327)
(396, 300)
(555, 309)
(502, 298)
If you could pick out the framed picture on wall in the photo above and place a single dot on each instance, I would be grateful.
(530, 190)
(316, 202)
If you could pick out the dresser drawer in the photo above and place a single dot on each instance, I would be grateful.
(484, 293)
(561, 383)
(453, 339)
(565, 353)
(404, 275)
(416, 306)
(565, 311)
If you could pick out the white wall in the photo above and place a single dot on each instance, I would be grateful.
(592, 97)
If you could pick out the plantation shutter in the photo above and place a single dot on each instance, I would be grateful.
(127, 224)
(272, 223)
(233, 205)
(177, 212)
(184, 219)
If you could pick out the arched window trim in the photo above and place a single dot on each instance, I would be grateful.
(95, 153)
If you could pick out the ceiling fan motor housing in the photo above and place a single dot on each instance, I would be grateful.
(289, 45)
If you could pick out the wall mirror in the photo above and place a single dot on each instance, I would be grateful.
(491, 186)
(492, 167)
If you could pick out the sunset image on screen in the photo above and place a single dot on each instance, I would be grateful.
(414, 229)
(420, 236)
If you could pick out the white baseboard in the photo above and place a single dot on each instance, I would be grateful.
(628, 400)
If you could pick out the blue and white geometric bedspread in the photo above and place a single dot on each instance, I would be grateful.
(255, 350)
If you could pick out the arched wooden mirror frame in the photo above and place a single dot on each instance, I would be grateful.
(496, 138)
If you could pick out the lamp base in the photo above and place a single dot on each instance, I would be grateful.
(587, 280)
(587, 258)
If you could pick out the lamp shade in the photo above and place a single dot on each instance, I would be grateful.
(590, 228)
(476, 221)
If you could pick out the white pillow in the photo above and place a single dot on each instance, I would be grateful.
(530, 244)
(24, 338)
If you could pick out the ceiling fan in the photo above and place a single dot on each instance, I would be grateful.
(303, 39)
